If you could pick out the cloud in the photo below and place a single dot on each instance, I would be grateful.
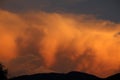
(2, 2)
(42, 42)
(103, 9)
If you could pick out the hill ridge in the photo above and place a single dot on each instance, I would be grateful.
(74, 75)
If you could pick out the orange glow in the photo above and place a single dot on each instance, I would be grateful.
(53, 41)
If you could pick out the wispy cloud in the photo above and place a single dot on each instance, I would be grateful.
(58, 42)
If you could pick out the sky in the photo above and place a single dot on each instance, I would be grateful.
(105, 9)
(42, 36)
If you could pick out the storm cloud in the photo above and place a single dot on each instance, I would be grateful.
(58, 42)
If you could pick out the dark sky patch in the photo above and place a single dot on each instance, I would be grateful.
(104, 9)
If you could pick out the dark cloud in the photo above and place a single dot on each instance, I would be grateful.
(64, 63)
(63, 60)
(105, 9)
(1, 2)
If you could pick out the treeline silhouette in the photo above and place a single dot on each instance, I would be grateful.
(55, 76)
(3, 72)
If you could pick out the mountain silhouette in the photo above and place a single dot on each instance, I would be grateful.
(58, 76)
(74, 75)
(62, 76)
(114, 77)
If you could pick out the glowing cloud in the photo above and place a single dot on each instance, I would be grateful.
(58, 42)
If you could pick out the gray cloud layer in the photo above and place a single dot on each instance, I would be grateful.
(105, 9)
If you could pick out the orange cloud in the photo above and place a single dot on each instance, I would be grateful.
(58, 42)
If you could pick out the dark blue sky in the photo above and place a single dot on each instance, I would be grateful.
(104, 9)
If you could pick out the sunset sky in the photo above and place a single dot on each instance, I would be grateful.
(42, 36)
